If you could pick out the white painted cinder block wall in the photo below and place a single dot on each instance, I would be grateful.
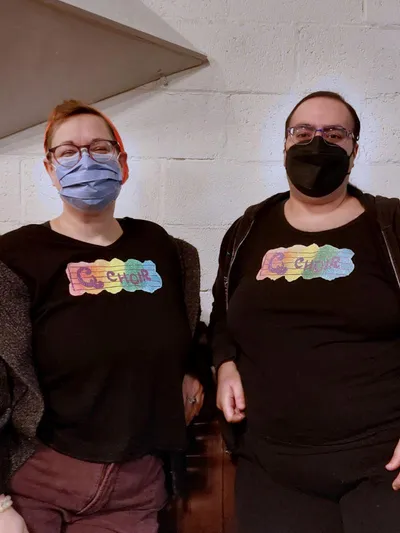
(210, 143)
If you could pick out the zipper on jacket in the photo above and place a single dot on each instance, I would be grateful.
(392, 261)
(235, 252)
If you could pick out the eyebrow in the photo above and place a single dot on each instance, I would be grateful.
(329, 126)
(93, 140)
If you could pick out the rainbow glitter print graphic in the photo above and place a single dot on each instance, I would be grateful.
(113, 276)
(307, 262)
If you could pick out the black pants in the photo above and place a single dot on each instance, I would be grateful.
(329, 491)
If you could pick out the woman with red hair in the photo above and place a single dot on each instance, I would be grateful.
(99, 321)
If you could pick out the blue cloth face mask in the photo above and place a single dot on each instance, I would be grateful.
(90, 185)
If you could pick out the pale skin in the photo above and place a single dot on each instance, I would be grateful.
(306, 214)
(100, 228)
(12, 522)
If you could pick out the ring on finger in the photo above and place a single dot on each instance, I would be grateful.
(192, 399)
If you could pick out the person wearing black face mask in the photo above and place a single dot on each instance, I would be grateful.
(306, 341)
(317, 168)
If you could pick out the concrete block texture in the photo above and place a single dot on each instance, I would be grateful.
(340, 11)
(244, 56)
(210, 143)
(382, 142)
(256, 126)
(363, 59)
(382, 179)
(164, 125)
(141, 195)
(206, 305)
(10, 189)
(384, 12)
(215, 193)
(207, 241)
(40, 200)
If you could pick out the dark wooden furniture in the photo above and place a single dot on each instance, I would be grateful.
(210, 479)
(211, 483)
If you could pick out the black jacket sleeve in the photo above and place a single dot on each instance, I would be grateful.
(222, 345)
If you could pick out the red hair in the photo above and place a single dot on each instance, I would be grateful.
(71, 108)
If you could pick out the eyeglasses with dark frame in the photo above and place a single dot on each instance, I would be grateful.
(69, 154)
(304, 134)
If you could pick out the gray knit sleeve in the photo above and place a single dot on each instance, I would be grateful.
(5, 397)
(20, 399)
(190, 270)
(5, 416)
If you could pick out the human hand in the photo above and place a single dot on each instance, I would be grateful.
(230, 394)
(193, 397)
(12, 522)
(394, 464)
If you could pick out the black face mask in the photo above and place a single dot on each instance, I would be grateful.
(317, 169)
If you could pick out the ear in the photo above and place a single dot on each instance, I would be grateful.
(122, 159)
(353, 156)
(52, 173)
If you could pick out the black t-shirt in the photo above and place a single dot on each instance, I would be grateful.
(316, 319)
(110, 336)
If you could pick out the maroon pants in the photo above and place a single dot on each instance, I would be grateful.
(55, 493)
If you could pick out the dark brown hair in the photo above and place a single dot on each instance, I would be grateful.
(332, 96)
